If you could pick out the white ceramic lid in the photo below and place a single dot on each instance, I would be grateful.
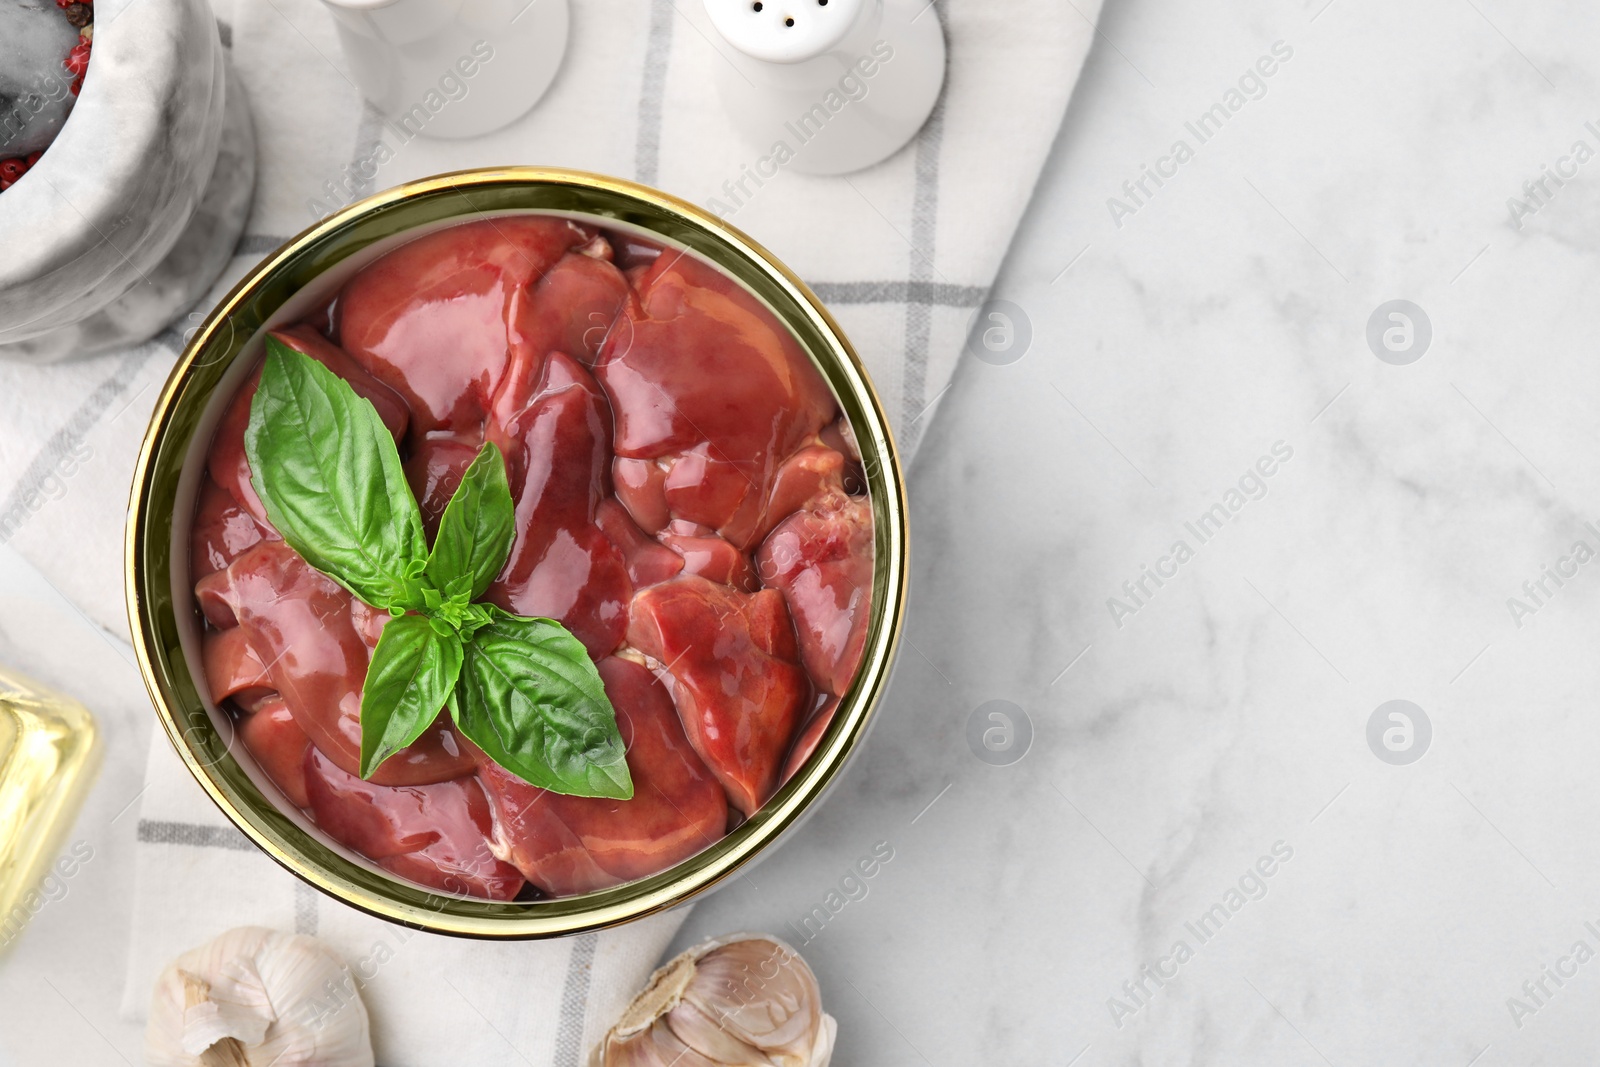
(784, 31)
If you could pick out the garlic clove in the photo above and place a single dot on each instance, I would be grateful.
(747, 1000)
(703, 1030)
(656, 1046)
(768, 996)
(254, 997)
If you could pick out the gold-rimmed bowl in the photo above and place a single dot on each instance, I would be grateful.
(287, 285)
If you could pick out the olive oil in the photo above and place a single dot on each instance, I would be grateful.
(47, 757)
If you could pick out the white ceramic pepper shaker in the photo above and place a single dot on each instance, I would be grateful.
(452, 68)
(829, 86)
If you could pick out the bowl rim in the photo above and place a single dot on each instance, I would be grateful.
(167, 451)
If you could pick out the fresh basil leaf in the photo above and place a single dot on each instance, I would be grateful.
(456, 613)
(531, 698)
(329, 474)
(474, 617)
(476, 530)
(413, 672)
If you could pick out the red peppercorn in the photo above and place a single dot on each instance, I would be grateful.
(12, 169)
(77, 60)
(33, 157)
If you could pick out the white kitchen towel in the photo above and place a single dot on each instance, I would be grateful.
(903, 253)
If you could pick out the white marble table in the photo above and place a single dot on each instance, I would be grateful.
(1219, 732)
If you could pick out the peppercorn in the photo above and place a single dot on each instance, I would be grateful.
(77, 60)
(80, 15)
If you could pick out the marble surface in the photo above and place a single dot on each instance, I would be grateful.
(105, 216)
(1207, 762)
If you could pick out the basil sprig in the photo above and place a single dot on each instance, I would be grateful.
(522, 689)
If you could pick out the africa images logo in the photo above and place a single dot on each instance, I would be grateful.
(1399, 332)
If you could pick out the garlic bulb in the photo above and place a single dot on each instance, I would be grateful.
(254, 997)
(746, 1000)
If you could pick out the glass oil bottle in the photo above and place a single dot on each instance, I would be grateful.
(48, 753)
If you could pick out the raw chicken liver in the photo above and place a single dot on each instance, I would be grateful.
(433, 834)
(821, 558)
(649, 561)
(567, 845)
(434, 470)
(810, 737)
(700, 373)
(431, 318)
(551, 422)
(572, 308)
(279, 746)
(223, 530)
(233, 670)
(730, 661)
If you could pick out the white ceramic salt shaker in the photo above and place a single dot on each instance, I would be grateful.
(452, 68)
(838, 84)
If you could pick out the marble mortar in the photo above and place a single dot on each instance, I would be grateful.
(137, 206)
